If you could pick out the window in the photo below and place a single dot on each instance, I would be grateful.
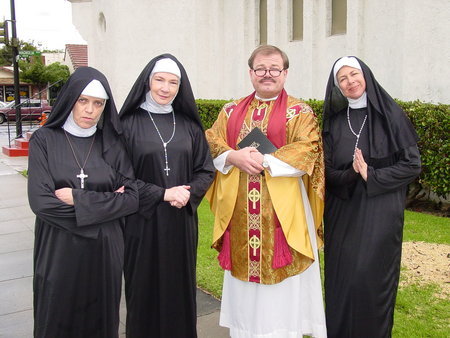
(263, 22)
(297, 20)
(338, 17)
(101, 27)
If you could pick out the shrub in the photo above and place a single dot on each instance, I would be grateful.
(208, 110)
(431, 121)
(317, 107)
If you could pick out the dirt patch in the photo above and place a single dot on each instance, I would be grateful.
(425, 263)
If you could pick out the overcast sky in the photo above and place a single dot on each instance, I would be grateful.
(46, 22)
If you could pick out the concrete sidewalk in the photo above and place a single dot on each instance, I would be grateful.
(16, 265)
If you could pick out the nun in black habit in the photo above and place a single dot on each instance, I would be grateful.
(79, 190)
(167, 146)
(371, 155)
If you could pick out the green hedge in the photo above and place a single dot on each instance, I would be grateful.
(208, 110)
(432, 123)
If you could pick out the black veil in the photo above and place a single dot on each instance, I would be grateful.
(390, 130)
(184, 102)
(109, 122)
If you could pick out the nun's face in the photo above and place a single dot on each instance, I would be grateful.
(164, 87)
(351, 82)
(87, 111)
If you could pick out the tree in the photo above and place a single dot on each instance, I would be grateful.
(57, 71)
(40, 75)
(6, 52)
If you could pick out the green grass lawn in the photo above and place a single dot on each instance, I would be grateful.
(426, 228)
(418, 312)
(209, 274)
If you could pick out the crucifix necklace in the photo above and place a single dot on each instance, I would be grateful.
(165, 143)
(82, 175)
(353, 132)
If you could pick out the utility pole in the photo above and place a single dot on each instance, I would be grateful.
(15, 49)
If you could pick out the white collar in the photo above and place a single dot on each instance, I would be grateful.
(264, 100)
(360, 102)
(152, 106)
(72, 128)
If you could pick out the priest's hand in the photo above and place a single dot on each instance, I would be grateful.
(244, 160)
(257, 156)
(177, 196)
(65, 195)
(361, 164)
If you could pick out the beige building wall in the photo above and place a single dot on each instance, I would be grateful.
(405, 42)
(53, 57)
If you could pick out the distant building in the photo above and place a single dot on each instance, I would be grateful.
(404, 42)
(76, 56)
(49, 58)
(27, 90)
(7, 85)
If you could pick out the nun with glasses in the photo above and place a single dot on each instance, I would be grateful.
(80, 191)
(166, 143)
(371, 156)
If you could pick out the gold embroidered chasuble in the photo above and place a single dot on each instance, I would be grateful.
(250, 203)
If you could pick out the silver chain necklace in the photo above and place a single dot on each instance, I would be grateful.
(165, 143)
(353, 132)
(82, 175)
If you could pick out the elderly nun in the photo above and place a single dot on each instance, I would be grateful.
(168, 149)
(371, 155)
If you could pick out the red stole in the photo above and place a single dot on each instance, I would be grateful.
(276, 129)
(276, 133)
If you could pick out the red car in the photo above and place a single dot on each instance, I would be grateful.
(30, 110)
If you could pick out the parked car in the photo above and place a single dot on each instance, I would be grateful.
(30, 110)
(2, 104)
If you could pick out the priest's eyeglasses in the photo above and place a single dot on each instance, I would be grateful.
(262, 72)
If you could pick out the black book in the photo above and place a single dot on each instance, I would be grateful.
(257, 139)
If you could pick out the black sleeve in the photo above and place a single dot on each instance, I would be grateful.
(203, 170)
(339, 182)
(41, 188)
(391, 178)
(150, 195)
(92, 207)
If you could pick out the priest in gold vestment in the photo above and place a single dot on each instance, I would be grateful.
(268, 208)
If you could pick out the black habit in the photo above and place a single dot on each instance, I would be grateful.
(364, 220)
(161, 244)
(78, 254)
